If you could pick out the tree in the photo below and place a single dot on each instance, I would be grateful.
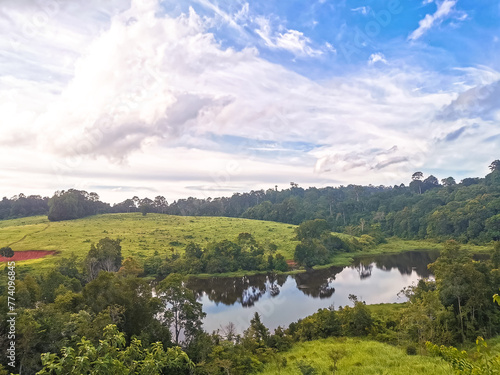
(462, 285)
(256, 337)
(448, 181)
(495, 165)
(145, 206)
(6, 252)
(105, 256)
(312, 229)
(74, 204)
(417, 176)
(310, 253)
(112, 356)
(131, 267)
(160, 203)
(182, 312)
(430, 182)
(357, 320)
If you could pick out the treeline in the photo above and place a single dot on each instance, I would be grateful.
(115, 321)
(468, 211)
(22, 206)
(242, 254)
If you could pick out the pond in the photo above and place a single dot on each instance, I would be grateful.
(282, 299)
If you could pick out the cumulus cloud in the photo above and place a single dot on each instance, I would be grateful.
(375, 57)
(156, 100)
(443, 10)
(291, 40)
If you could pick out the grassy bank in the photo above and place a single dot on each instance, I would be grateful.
(358, 356)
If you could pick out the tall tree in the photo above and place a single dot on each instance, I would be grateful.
(183, 314)
(495, 165)
(105, 256)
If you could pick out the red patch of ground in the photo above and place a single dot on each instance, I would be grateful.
(25, 255)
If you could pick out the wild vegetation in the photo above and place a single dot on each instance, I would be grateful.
(114, 318)
(92, 310)
(468, 211)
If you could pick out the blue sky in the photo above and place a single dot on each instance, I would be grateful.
(204, 98)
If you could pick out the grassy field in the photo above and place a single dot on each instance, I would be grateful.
(141, 235)
(358, 357)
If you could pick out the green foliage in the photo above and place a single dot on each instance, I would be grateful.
(356, 320)
(322, 324)
(425, 318)
(318, 245)
(481, 363)
(141, 236)
(218, 257)
(465, 286)
(356, 356)
(181, 312)
(6, 252)
(74, 204)
(112, 356)
(306, 368)
(312, 229)
(105, 256)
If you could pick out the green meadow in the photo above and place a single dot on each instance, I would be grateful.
(357, 356)
(141, 235)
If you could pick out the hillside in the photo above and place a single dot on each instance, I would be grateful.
(357, 356)
(142, 235)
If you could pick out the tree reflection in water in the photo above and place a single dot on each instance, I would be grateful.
(405, 263)
(317, 283)
(248, 290)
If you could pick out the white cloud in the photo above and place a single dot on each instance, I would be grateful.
(291, 40)
(375, 57)
(429, 20)
(330, 47)
(363, 10)
(146, 96)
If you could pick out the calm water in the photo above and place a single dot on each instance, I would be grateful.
(281, 299)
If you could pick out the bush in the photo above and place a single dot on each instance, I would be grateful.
(306, 369)
(411, 349)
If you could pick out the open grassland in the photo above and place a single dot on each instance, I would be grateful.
(358, 357)
(141, 235)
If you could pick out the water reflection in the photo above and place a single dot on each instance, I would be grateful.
(248, 290)
(405, 263)
(245, 290)
(282, 299)
(317, 284)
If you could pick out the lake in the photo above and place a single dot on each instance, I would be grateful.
(282, 299)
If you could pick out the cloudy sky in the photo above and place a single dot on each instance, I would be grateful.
(206, 98)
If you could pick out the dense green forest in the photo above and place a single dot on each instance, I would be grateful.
(100, 315)
(467, 211)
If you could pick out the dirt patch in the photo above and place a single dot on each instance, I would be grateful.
(26, 255)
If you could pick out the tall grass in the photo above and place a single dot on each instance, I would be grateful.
(357, 357)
